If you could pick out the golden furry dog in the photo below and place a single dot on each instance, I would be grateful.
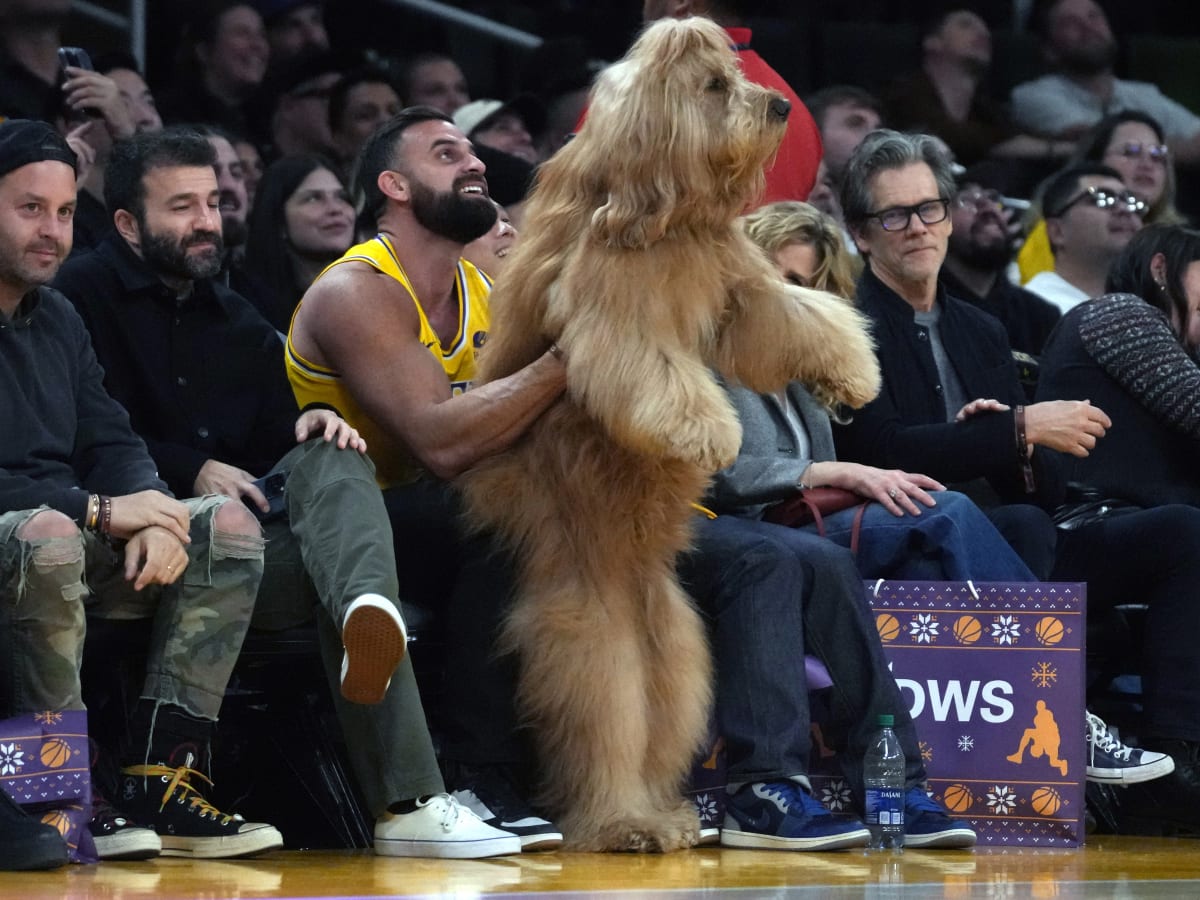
(631, 261)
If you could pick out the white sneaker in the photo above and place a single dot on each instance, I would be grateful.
(375, 640)
(441, 827)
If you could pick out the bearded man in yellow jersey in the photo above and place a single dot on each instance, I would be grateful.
(388, 336)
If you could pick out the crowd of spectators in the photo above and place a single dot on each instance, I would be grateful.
(996, 241)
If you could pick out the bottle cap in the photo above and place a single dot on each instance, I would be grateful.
(887, 721)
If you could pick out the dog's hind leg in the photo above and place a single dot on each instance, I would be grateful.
(582, 689)
(679, 675)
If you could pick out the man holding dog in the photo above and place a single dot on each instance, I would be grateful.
(399, 310)
(388, 334)
(201, 373)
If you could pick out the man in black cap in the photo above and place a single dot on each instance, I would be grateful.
(80, 496)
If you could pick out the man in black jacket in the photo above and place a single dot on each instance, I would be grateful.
(79, 496)
(202, 375)
(951, 405)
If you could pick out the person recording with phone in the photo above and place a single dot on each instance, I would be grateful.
(93, 116)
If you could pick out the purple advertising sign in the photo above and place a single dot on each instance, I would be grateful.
(45, 767)
(993, 675)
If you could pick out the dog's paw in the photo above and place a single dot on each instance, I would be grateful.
(856, 386)
(711, 445)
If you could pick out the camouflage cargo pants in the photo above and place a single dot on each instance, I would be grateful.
(199, 622)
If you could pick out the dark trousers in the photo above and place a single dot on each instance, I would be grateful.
(1149, 556)
(771, 595)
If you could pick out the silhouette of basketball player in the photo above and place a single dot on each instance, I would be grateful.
(1043, 737)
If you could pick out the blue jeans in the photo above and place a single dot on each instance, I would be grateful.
(953, 541)
(770, 595)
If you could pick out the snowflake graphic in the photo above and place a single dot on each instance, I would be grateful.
(926, 752)
(706, 807)
(923, 629)
(1044, 674)
(12, 759)
(836, 795)
(1001, 799)
(47, 717)
(966, 743)
(1005, 630)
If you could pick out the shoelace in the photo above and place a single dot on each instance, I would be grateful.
(787, 795)
(917, 801)
(452, 810)
(1099, 736)
(180, 780)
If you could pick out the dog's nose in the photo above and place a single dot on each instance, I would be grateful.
(780, 107)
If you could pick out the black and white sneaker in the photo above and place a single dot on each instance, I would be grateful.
(490, 794)
(1112, 762)
(117, 837)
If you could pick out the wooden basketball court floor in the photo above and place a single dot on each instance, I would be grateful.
(1108, 867)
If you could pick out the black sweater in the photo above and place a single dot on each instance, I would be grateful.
(62, 435)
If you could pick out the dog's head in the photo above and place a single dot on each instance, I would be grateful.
(675, 135)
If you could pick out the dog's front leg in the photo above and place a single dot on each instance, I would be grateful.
(650, 394)
(778, 333)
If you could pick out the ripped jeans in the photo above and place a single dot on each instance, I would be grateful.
(199, 622)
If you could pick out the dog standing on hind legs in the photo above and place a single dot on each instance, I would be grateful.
(631, 262)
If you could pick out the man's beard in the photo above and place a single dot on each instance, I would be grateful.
(234, 232)
(1089, 60)
(453, 215)
(984, 257)
(167, 256)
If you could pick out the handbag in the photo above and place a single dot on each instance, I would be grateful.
(811, 505)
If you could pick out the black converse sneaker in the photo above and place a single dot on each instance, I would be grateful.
(116, 837)
(488, 792)
(165, 798)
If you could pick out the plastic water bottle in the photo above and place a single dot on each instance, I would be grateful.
(883, 781)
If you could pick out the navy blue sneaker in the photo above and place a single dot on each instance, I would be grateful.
(781, 815)
(928, 825)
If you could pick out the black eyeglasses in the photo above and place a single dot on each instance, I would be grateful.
(898, 218)
(1103, 198)
(1136, 150)
(979, 200)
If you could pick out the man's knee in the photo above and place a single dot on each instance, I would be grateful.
(236, 533)
(235, 518)
(48, 524)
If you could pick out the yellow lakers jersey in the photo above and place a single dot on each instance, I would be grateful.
(316, 384)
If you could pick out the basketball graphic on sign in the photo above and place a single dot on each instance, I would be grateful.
(967, 629)
(1049, 630)
(58, 819)
(1046, 801)
(55, 753)
(888, 627)
(957, 798)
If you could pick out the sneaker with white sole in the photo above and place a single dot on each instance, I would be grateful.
(1112, 762)
(928, 825)
(441, 827)
(489, 793)
(165, 798)
(375, 640)
(117, 837)
(781, 815)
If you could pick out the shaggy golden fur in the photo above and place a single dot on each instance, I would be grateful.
(631, 261)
